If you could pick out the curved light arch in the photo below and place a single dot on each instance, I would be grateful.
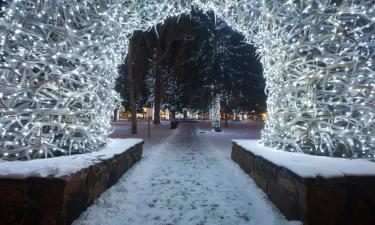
(59, 61)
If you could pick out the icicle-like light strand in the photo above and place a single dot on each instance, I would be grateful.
(59, 62)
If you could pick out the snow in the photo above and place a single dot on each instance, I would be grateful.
(306, 165)
(64, 165)
(185, 178)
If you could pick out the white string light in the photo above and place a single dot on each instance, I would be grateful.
(59, 62)
(215, 113)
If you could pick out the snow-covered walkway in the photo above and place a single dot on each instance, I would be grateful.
(183, 180)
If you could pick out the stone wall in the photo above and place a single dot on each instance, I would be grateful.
(346, 200)
(59, 201)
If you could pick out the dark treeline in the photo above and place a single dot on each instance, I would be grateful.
(185, 63)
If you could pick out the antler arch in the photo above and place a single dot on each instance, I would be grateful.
(59, 61)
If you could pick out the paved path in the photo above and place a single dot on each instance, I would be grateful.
(183, 180)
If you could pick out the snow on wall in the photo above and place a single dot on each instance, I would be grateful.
(307, 165)
(64, 165)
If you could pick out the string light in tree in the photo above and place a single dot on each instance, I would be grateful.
(58, 64)
(215, 113)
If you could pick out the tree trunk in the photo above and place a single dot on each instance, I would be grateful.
(215, 114)
(157, 94)
(225, 119)
(131, 89)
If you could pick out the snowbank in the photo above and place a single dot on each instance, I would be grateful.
(64, 165)
(308, 165)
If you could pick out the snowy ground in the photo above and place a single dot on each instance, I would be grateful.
(186, 177)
